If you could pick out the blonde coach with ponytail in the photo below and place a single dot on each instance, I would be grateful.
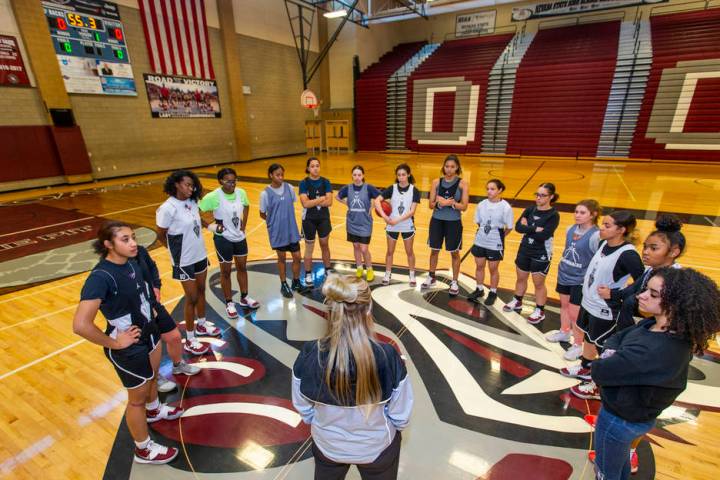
(353, 391)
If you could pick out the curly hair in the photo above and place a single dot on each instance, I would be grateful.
(691, 302)
(171, 189)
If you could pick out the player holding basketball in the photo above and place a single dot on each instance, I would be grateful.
(449, 197)
(116, 288)
(278, 210)
(180, 230)
(316, 198)
(538, 225)
(230, 207)
(494, 218)
(359, 196)
(404, 199)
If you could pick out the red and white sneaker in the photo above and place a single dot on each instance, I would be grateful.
(155, 453)
(163, 412)
(249, 302)
(231, 310)
(454, 289)
(586, 391)
(428, 283)
(194, 347)
(576, 371)
(634, 462)
(207, 329)
(536, 316)
(513, 305)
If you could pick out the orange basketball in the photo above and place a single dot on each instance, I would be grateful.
(387, 208)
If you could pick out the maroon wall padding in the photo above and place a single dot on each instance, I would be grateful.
(471, 58)
(371, 96)
(682, 37)
(443, 112)
(562, 89)
(704, 113)
(29, 152)
(71, 150)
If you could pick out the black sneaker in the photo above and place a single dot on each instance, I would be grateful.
(285, 290)
(476, 295)
(298, 287)
(490, 300)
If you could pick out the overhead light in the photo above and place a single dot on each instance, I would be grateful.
(336, 14)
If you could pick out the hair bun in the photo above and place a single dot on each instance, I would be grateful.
(668, 222)
(337, 288)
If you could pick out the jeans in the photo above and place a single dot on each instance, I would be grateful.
(613, 437)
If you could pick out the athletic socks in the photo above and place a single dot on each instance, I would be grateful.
(243, 295)
(190, 335)
(540, 307)
(200, 321)
(228, 300)
(432, 274)
(518, 298)
(143, 445)
(153, 405)
(493, 290)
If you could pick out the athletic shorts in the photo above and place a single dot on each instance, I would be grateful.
(448, 231)
(358, 239)
(290, 247)
(227, 250)
(132, 364)
(482, 252)
(315, 226)
(164, 320)
(188, 272)
(574, 291)
(596, 330)
(526, 263)
(404, 235)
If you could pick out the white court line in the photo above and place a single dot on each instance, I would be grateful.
(624, 184)
(59, 351)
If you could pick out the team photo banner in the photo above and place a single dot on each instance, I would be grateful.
(569, 7)
(182, 97)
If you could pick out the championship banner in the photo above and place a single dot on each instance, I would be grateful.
(89, 42)
(12, 68)
(570, 7)
(182, 97)
(474, 23)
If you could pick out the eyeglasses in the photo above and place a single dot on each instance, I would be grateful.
(542, 195)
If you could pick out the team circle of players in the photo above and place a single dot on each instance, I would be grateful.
(634, 341)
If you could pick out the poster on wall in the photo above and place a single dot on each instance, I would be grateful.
(12, 68)
(568, 7)
(89, 42)
(181, 97)
(474, 23)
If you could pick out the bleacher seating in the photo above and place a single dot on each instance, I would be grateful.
(562, 89)
(686, 119)
(371, 96)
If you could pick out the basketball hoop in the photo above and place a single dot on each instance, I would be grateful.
(308, 99)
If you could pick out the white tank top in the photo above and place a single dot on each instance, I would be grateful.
(600, 272)
(401, 203)
(231, 214)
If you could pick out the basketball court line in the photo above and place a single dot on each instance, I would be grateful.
(624, 184)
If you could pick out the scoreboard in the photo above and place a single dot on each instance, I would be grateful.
(89, 41)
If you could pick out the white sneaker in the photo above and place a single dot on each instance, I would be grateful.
(454, 288)
(428, 283)
(164, 385)
(231, 310)
(249, 302)
(194, 347)
(386, 278)
(308, 279)
(573, 353)
(184, 368)
(513, 305)
(207, 329)
(536, 316)
(557, 336)
(413, 282)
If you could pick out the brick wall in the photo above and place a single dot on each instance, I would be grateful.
(21, 106)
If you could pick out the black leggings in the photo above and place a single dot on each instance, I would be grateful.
(384, 467)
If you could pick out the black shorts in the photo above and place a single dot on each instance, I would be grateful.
(528, 263)
(132, 364)
(358, 239)
(404, 235)
(596, 330)
(482, 252)
(313, 226)
(188, 272)
(164, 320)
(574, 291)
(227, 250)
(448, 231)
(290, 247)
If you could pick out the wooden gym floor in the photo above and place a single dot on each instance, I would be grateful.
(61, 403)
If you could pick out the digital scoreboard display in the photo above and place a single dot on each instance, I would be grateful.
(89, 41)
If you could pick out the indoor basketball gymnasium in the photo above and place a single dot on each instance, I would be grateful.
(550, 167)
